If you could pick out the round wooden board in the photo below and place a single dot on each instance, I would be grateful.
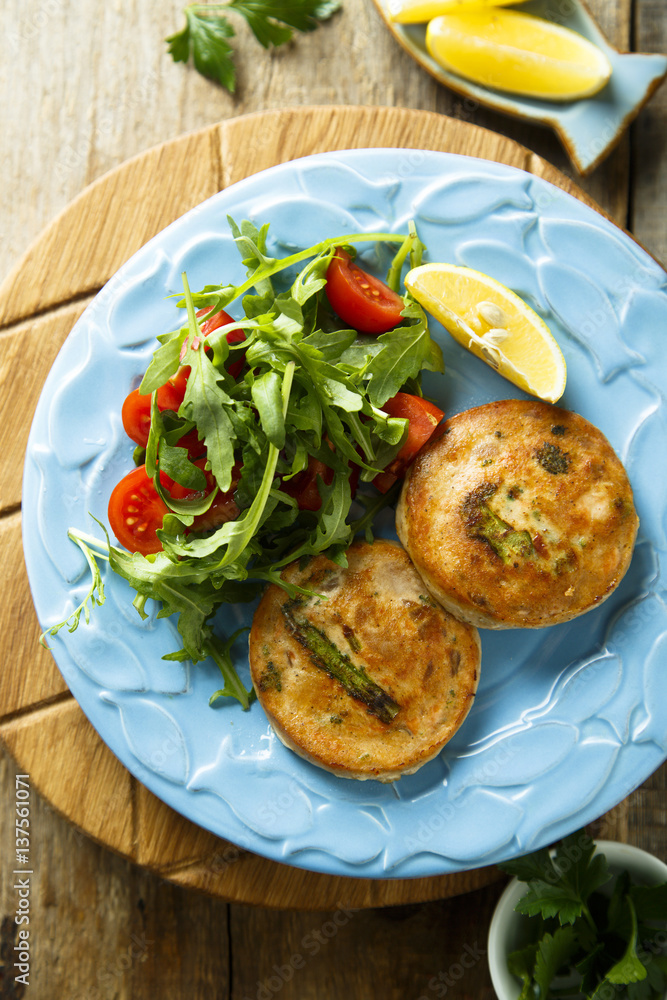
(40, 722)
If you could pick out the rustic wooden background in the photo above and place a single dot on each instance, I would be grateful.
(82, 88)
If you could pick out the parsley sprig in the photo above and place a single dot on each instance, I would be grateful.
(310, 390)
(207, 31)
(609, 942)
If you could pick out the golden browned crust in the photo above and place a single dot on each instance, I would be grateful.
(379, 615)
(519, 515)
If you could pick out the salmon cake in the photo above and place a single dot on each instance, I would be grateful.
(519, 515)
(368, 677)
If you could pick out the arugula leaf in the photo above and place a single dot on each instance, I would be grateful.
(95, 594)
(404, 352)
(266, 395)
(309, 393)
(220, 652)
(207, 28)
(205, 403)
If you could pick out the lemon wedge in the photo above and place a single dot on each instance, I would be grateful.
(519, 53)
(420, 11)
(494, 323)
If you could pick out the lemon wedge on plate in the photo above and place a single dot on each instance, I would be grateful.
(494, 323)
(419, 11)
(519, 53)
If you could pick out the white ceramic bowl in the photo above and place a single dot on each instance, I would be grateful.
(509, 930)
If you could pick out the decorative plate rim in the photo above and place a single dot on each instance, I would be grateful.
(175, 769)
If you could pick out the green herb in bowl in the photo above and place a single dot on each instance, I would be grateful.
(590, 927)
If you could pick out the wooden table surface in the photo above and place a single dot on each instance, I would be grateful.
(82, 89)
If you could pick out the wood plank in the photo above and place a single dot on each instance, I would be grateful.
(29, 675)
(412, 951)
(99, 93)
(165, 839)
(264, 139)
(110, 221)
(64, 756)
(649, 161)
(240, 875)
(185, 937)
(102, 928)
(75, 887)
(28, 351)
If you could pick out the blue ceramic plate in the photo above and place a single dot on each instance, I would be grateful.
(589, 128)
(567, 720)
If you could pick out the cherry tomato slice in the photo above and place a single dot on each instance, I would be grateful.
(304, 486)
(215, 322)
(360, 299)
(136, 412)
(223, 507)
(136, 511)
(171, 394)
(423, 418)
(196, 448)
(234, 337)
(136, 417)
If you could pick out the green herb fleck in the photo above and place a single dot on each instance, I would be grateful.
(552, 459)
(484, 524)
(352, 639)
(269, 679)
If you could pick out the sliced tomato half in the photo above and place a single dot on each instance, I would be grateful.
(223, 507)
(136, 511)
(423, 417)
(136, 411)
(304, 486)
(233, 337)
(361, 299)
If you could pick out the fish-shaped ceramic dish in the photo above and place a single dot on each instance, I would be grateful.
(588, 128)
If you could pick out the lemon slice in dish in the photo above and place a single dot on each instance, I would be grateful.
(420, 11)
(519, 53)
(493, 323)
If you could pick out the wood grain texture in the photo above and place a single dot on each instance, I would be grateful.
(38, 680)
(28, 350)
(159, 838)
(119, 212)
(648, 209)
(82, 89)
(56, 745)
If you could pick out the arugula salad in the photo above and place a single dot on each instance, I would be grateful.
(256, 435)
